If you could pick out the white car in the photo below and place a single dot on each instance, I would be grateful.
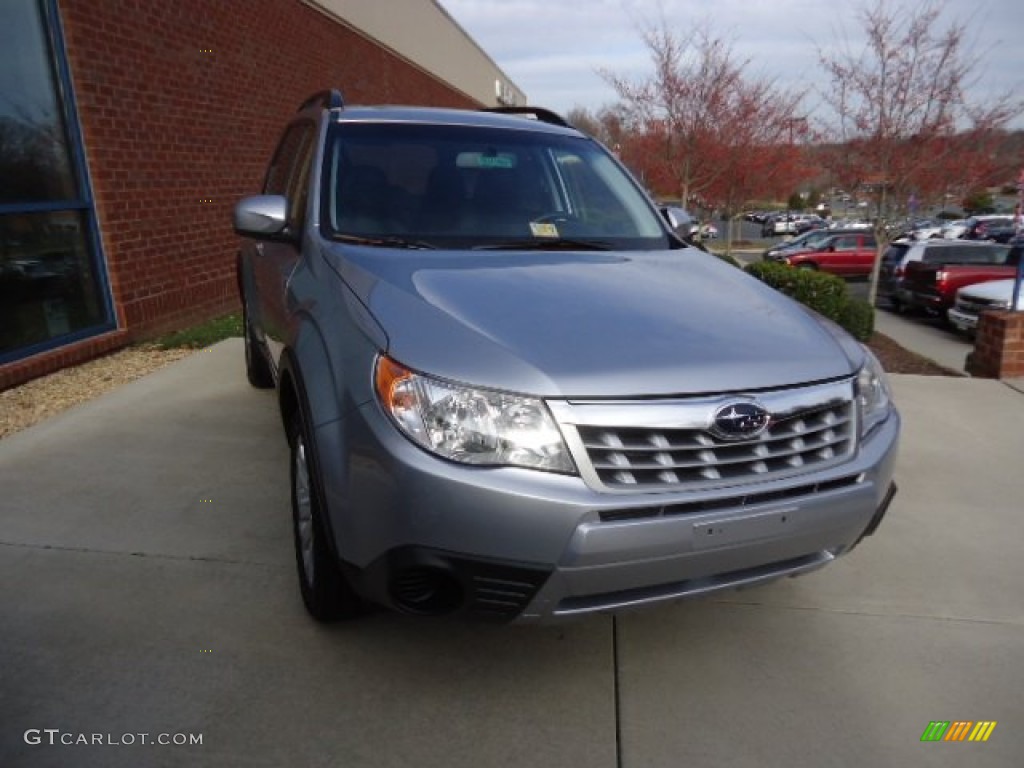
(972, 300)
(952, 229)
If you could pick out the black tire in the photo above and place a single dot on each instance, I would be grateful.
(325, 593)
(257, 367)
(896, 307)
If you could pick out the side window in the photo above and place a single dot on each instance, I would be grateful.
(846, 243)
(288, 173)
(298, 185)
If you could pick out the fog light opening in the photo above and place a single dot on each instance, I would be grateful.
(426, 591)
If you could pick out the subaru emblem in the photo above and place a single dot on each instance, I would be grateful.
(740, 420)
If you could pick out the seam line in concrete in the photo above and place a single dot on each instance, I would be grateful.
(154, 555)
(875, 614)
(617, 689)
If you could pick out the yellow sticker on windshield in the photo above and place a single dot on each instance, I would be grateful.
(543, 229)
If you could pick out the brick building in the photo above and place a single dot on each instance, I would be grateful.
(128, 129)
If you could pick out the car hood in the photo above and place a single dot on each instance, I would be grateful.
(994, 290)
(591, 324)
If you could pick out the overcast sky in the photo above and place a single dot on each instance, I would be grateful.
(552, 49)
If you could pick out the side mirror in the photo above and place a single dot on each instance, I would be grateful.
(262, 216)
(678, 219)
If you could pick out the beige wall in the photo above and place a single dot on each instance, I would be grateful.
(423, 32)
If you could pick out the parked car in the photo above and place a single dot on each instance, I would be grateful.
(849, 255)
(510, 391)
(808, 241)
(680, 221)
(994, 228)
(779, 223)
(892, 285)
(982, 297)
(953, 229)
(807, 223)
(933, 286)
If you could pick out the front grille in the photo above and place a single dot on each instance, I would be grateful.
(729, 502)
(975, 306)
(626, 458)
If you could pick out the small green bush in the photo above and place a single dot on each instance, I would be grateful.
(825, 294)
(821, 292)
(857, 317)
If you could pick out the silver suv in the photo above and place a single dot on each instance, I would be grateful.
(512, 392)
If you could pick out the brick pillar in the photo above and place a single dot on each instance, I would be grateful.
(999, 346)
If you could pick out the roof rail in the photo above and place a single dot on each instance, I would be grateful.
(537, 113)
(327, 99)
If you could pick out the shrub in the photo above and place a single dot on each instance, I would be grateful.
(857, 317)
(821, 292)
(978, 201)
(825, 294)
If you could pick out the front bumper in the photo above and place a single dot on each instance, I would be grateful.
(962, 321)
(930, 301)
(427, 536)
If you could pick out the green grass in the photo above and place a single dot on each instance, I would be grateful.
(204, 334)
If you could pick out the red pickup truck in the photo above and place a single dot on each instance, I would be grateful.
(933, 286)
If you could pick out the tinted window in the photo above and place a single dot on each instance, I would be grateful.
(966, 254)
(282, 167)
(35, 161)
(895, 253)
(52, 283)
(461, 187)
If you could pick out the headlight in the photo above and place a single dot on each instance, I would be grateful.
(873, 395)
(472, 426)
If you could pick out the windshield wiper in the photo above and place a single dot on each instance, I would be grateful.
(385, 242)
(546, 244)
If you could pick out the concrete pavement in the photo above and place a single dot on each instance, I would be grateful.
(926, 336)
(148, 580)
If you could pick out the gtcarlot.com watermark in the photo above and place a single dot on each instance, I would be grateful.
(55, 736)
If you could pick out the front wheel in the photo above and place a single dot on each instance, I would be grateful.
(325, 593)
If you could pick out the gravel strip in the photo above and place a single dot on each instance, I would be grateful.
(39, 399)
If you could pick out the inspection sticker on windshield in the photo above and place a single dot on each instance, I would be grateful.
(543, 229)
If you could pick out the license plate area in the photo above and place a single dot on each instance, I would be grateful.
(737, 530)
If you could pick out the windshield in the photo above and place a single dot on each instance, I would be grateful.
(468, 187)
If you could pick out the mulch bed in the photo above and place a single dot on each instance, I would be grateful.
(897, 359)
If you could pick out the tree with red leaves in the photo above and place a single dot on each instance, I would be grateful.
(904, 123)
(701, 128)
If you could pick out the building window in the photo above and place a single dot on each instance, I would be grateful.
(53, 287)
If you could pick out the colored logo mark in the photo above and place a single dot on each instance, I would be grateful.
(958, 730)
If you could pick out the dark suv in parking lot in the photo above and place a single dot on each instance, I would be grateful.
(511, 391)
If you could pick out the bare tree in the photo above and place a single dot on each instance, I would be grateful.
(901, 100)
(703, 128)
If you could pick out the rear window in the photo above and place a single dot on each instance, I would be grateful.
(966, 254)
(895, 253)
